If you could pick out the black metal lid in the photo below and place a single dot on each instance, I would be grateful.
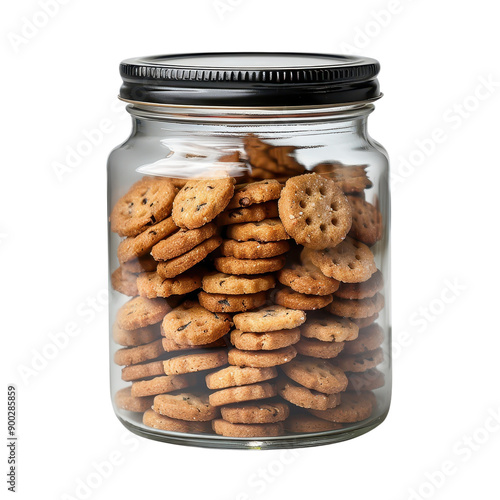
(250, 79)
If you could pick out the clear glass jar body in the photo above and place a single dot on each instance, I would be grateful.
(347, 327)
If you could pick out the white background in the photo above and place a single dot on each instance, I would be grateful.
(60, 81)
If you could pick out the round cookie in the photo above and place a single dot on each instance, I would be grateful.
(318, 375)
(185, 406)
(363, 290)
(196, 362)
(235, 376)
(200, 201)
(178, 265)
(255, 413)
(231, 303)
(143, 370)
(319, 349)
(360, 362)
(308, 280)
(140, 312)
(261, 359)
(231, 265)
(350, 261)
(314, 211)
(365, 381)
(330, 329)
(253, 213)
(192, 324)
(308, 423)
(369, 339)
(160, 385)
(227, 429)
(248, 341)
(253, 249)
(306, 398)
(353, 408)
(124, 282)
(364, 322)
(152, 285)
(143, 264)
(161, 422)
(287, 297)
(231, 395)
(222, 283)
(255, 192)
(366, 221)
(265, 230)
(132, 338)
(147, 202)
(182, 242)
(269, 319)
(125, 401)
(137, 246)
(169, 345)
(362, 308)
(350, 178)
(133, 355)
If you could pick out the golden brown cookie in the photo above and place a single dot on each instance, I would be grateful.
(133, 355)
(164, 423)
(319, 375)
(161, 385)
(319, 349)
(196, 362)
(169, 345)
(330, 329)
(232, 376)
(152, 285)
(178, 265)
(360, 362)
(143, 370)
(251, 392)
(301, 423)
(314, 211)
(227, 429)
(223, 283)
(132, 338)
(231, 265)
(248, 341)
(185, 406)
(192, 324)
(125, 401)
(350, 178)
(265, 230)
(147, 202)
(140, 312)
(307, 279)
(287, 297)
(253, 249)
(255, 192)
(366, 221)
(353, 408)
(306, 398)
(253, 213)
(255, 413)
(366, 381)
(124, 282)
(216, 302)
(261, 359)
(269, 319)
(362, 308)
(182, 242)
(362, 290)
(369, 339)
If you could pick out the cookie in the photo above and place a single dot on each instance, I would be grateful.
(169, 345)
(269, 319)
(308, 423)
(318, 375)
(197, 362)
(350, 261)
(192, 324)
(364, 322)
(235, 376)
(353, 408)
(369, 339)
(231, 265)
(200, 201)
(132, 338)
(133, 355)
(140, 312)
(147, 202)
(178, 265)
(284, 157)
(125, 401)
(307, 279)
(255, 192)
(253, 213)
(356, 291)
(261, 359)
(143, 370)
(366, 381)
(124, 282)
(319, 349)
(227, 429)
(160, 385)
(264, 341)
(255, 413)
(350, 178)
(360, 362)
(362, 308)
(140, 245)
(185, 406)
(253, 249)
(152, 285)
(251, 392)
(314, 211)
(143, 264)
(366, 221)
(265, 230)
(330, 329)
(287, 297)
(216, 302)
(182, 242)
(163, 423)
(306, 398)
(221, 283)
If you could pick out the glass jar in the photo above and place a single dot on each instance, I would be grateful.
(249, 251)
